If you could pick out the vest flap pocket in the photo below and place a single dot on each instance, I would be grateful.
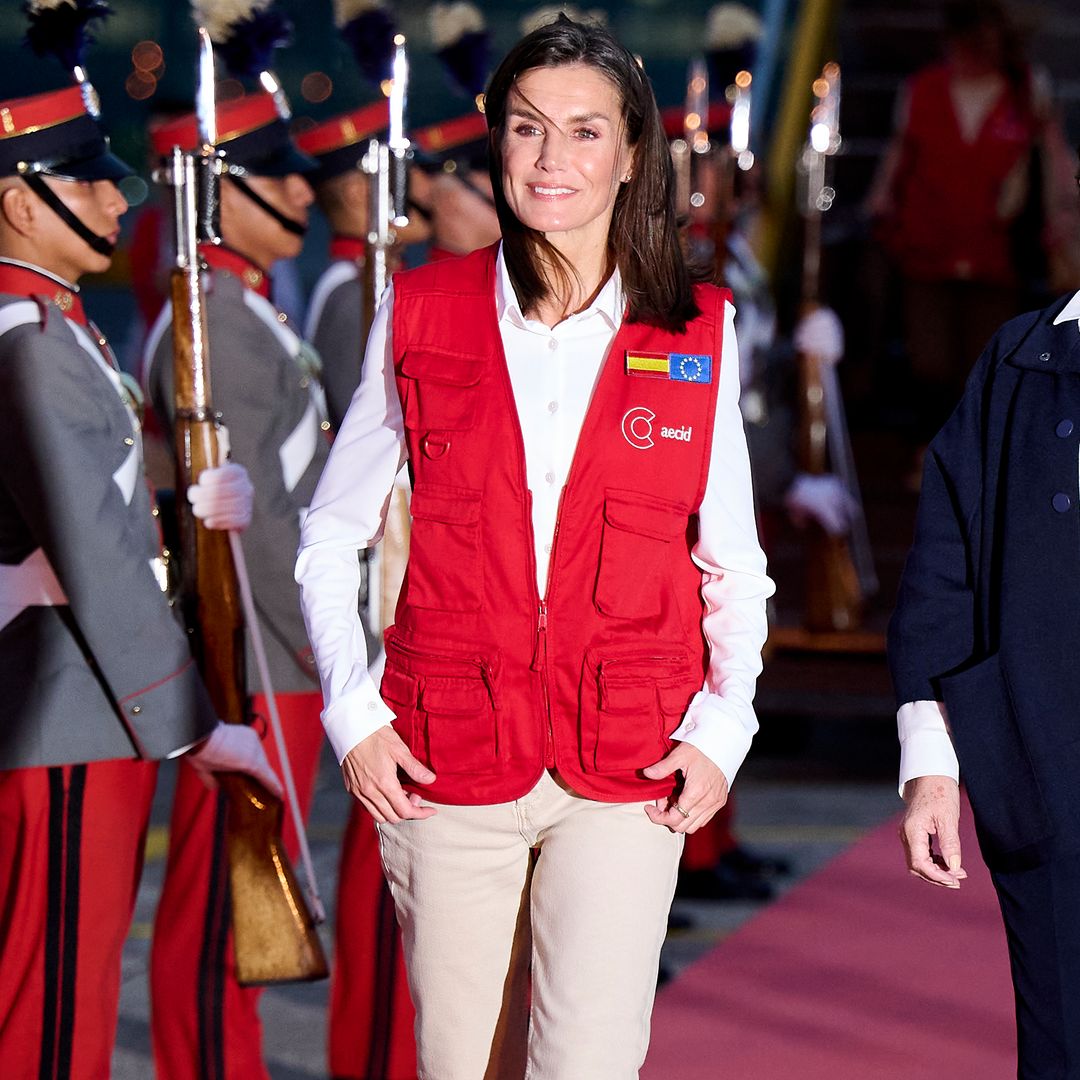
(645, 515)
(441, 368)
(452, 506)
(452, 696)
(624, 709)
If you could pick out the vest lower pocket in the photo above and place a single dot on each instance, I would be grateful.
(635, 553)
(445, 571)
(449, 716)
(632, 698)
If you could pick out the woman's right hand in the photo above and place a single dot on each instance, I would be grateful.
(370, 773)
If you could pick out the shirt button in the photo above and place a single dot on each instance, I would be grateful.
(128, 440)
(372, 706)
(552, 344)
(547, 549)
(1061, 502)
(1064, 429)
(325, 425)
(553, 406)
(549, 477)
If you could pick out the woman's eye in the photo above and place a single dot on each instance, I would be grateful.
(526, 129)
(588, 133)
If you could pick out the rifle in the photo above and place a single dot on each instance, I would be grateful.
(386, 166)
(840, 569)
(273, 931)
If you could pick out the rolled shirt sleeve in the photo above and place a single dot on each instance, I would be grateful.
(721, 721)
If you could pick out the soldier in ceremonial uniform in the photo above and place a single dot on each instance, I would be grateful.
(265, 382)
(98, 679)
(451, 186)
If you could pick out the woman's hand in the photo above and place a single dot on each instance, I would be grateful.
(370, 773)
(704, 790)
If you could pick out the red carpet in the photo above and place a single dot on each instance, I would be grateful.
(860, 973)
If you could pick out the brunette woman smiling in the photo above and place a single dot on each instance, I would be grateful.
(569, 680)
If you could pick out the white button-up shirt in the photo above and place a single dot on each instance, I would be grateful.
(553, 371)
(926, 748)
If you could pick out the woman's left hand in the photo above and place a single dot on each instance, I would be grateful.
(704, 790)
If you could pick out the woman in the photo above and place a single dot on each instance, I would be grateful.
(565, 615)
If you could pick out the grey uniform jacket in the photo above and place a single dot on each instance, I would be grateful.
(335, 327)
(273, 409)
(93, 664)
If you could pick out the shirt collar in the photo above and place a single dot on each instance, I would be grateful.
(1070, 312)
(609, 302)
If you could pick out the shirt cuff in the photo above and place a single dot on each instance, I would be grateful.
(926, 748)
(354, 716)
(719, 730)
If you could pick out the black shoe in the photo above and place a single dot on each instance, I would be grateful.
(749, 863)
(721, 883)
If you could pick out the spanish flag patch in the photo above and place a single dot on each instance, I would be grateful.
(677, 367)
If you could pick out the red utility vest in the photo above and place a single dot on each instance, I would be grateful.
(948, 225)
(491, 683)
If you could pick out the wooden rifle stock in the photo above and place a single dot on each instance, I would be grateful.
(273, 931)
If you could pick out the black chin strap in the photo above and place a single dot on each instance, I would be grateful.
(36, 183)
(286, 223)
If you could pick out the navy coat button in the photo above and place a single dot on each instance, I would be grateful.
(1044, 357)
(1061, 502)
(1064, 429)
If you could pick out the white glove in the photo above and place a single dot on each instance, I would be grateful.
(234, 748)
(222, 498)
(823, 499)
(821, 334)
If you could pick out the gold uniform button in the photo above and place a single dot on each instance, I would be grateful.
(325, 425)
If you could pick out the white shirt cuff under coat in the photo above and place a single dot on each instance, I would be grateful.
(926, 747)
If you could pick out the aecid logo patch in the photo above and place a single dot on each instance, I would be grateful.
(637, 429)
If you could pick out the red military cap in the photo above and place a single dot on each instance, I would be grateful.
(54, 133)
(338, 144)
(251, 132)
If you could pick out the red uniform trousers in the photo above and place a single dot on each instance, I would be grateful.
(71, 852)
(371, 1012)
(206, 1026)
(703, 848)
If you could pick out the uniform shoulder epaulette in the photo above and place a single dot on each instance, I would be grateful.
(22, 313)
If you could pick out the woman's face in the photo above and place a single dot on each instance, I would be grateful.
(564, 154)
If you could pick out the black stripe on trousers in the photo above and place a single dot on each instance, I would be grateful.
(386, 947)
(62, 921)
(211, 989)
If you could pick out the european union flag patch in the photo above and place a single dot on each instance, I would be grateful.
(678, 367)
(691, 367)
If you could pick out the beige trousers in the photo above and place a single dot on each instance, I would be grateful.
(587, 914)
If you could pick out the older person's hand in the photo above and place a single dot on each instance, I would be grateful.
(933, 809)
(370, 772)
(704, 790)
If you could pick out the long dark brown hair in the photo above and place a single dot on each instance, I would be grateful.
(642, 240)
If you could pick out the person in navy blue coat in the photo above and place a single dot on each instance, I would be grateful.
(984, 648)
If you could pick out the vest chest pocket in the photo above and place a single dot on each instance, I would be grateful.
(440, 392)
(450, 718)
(633, 697)
(445, 571)
(635, 550)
